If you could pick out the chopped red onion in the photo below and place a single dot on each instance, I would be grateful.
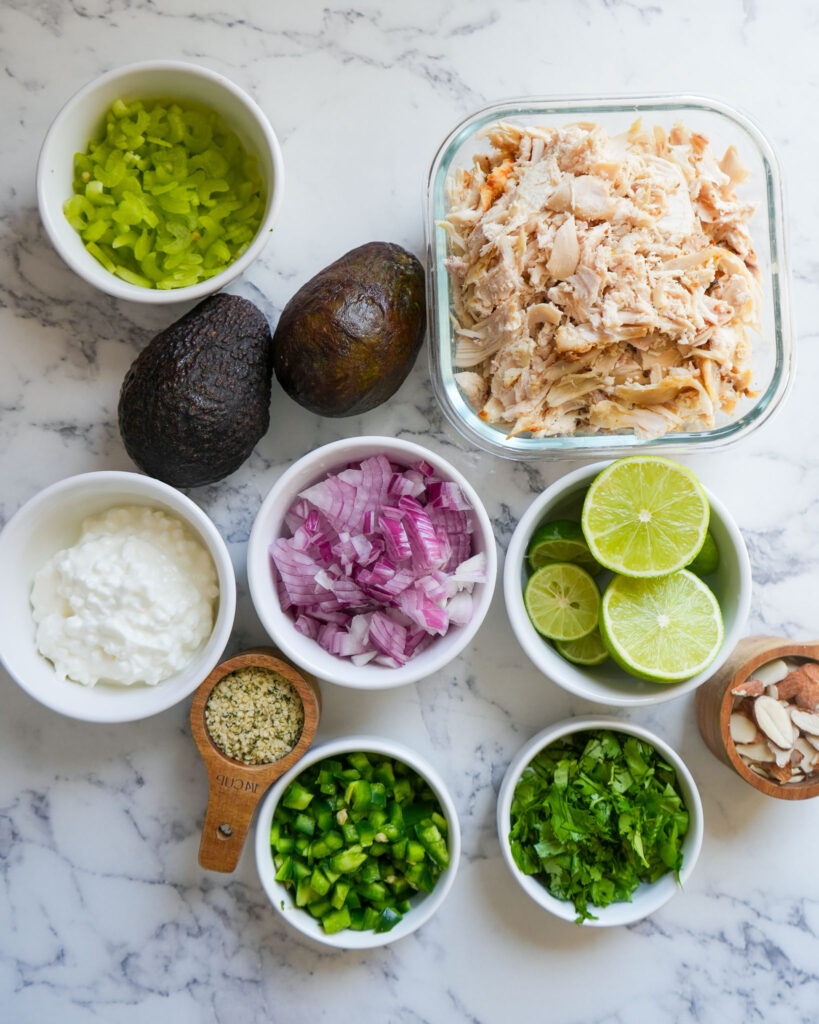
(379, 561)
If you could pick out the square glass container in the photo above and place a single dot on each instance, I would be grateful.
(773, 355)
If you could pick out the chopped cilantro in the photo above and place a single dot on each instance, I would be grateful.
(595, 814)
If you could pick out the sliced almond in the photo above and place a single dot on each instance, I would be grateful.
(771, 672)
(774, 721)
(772, 691)
(750, 688)
(809, 755)
(743, 729)
(783, 773)
(796, 777)
(813, 740)
(759, 770)
(755, 752)
(781, 757)
(805, 721)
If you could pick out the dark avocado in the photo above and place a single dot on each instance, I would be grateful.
(347, 339)
(197, 398)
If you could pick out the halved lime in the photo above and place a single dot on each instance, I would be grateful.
(588, 650)
(707, 561)
(560, 541)
(645, 516)
(665, 629)
(563, 601)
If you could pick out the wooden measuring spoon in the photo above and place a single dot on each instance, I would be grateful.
(236, 788)
(714, 702)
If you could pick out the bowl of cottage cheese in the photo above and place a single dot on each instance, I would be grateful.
(119, 596)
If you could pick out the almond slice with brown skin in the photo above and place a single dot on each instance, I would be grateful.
(771, 672)
(755, 752)
(809, 755)
(743, 730)
(805, 721)
(750, 688)
(774, 721)
(781, 757)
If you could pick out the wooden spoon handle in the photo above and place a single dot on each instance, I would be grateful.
(231, 803)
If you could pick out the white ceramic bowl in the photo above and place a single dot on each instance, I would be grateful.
(307, 653)
(51, 521)
(608, 683)
(423, 905)
(81, 120)
(648, 897)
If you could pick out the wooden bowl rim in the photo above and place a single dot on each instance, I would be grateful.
(804, 790)
(263, 657)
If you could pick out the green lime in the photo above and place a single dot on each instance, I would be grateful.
(588, 650)
(562, 601)
(665, 629)
(645, 516)
(560, 541)
(707, 561)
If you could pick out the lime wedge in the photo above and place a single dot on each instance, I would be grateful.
(707, 561)
(560, 541)
(588, 650)
(562, 601)
(645, 516)
(665, 629)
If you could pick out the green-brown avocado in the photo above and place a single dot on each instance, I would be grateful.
(197, 398)
(348, 338)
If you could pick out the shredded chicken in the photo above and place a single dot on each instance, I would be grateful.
(601, 284)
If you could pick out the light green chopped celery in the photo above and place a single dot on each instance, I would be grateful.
(132, 278)
(98, 254)
(167, 196)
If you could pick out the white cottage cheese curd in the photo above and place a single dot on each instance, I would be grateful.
(130, 602)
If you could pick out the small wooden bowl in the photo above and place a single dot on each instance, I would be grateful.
(235, 787)
(714, 702)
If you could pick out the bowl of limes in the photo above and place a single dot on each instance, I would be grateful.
(628, 583)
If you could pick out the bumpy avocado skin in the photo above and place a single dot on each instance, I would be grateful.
(197, 398)
(348, 338)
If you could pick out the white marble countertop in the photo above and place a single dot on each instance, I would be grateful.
(105, 915)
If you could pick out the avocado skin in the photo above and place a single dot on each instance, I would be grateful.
(348, 338)
(197, 398)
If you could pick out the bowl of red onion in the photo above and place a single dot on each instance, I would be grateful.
(372, 562)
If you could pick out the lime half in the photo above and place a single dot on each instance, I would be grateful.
(563, 601)
(707, 561)
(645, 516)
(665, 629)
(588, 650)
(560, 541)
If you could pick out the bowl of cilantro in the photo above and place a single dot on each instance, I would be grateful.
(599, 820)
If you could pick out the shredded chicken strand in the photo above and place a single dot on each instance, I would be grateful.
(601, 283)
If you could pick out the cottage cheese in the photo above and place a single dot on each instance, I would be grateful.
(130, 602)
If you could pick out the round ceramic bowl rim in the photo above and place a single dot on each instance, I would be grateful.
(300, 649)
(199, 522)
(549, 662)
(110, 283)
(564, 909)
(276, 891)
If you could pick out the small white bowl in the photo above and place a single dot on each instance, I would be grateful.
(647, 897)
(81, 120)
(424, 905)
(307, 653)
(51, 521)
(608, 683)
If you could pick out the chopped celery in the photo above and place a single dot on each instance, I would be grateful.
(185, 198)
